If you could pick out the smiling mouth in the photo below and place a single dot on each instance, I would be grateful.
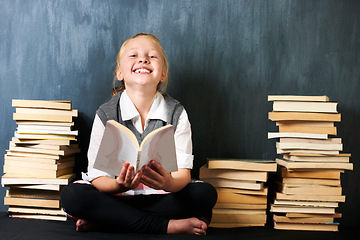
(142, 70)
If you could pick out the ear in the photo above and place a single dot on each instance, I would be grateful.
(119, 75)
(163, 77)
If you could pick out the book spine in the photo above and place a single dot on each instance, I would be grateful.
(138, 161)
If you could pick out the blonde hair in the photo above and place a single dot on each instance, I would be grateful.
(161, 86)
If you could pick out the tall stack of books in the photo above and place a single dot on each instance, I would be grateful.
(309, 190)
(40, 158)
(242, 194)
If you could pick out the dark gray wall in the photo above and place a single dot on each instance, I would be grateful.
(226, 57)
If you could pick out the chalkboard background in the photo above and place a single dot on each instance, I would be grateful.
(225, 57)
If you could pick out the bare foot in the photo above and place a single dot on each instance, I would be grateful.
(84, 226)
(187, 226)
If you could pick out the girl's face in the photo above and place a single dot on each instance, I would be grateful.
(141, 63)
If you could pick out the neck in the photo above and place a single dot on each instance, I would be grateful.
(142, 101)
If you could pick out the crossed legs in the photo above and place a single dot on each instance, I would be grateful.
(186, 211)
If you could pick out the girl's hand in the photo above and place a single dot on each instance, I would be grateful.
(127, 178)
(156, 177)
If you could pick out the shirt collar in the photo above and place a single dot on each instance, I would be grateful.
(129, 111)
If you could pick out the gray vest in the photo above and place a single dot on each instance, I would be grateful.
(111, 111)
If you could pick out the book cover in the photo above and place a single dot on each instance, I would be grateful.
(304, 116)
(60, 104)
(294, 106)
(303, 197)
(242, 164)
(233, 174)
(314, 165)
(306, 226)
(298, 157)
(312, 219)
(272, 135)
(9, 179)
(298, 98)
(228, 183)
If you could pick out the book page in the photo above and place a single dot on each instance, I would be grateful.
(115, 149)
(161, 148)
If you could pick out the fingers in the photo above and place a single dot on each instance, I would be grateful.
(155, 176)
(137, 179)
(151, 173)
(123, 172)
(155, 171)
(157, 167)
(130, 173)
(127, 178)
(149, 181)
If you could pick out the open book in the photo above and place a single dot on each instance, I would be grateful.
(119, 145)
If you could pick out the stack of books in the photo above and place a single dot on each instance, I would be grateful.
(309, 190)
(40, 158)
(242, 194)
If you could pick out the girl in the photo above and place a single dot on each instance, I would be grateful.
(150, 200)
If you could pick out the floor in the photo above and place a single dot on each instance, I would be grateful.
(13, 228)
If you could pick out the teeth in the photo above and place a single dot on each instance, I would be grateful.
(142, 70)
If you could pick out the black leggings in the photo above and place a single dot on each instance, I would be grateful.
(141, 213)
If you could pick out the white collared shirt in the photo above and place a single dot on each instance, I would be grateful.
(129, 111)
(182, 136)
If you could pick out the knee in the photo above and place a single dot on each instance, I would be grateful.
(210, 194)
(205, 194)
(72, 199)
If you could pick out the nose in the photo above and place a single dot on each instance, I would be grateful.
(143, 60)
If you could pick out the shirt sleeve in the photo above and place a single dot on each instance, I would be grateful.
(183, 142)
(95, 140)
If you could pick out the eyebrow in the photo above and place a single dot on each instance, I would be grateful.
(132, 49)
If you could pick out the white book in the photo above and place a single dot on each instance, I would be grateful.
(119, 145)
(27, 127)
(23, 130)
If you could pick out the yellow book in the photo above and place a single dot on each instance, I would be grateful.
(242, 164)
(298, 98)
(61, 104)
